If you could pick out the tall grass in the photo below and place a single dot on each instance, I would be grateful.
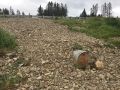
(98, 27)
(114, 22)
(7, 41)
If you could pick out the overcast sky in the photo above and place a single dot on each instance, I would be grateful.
(75, 7)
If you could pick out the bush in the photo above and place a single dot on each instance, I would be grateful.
(7, 41)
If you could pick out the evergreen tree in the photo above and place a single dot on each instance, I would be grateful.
(58, 10)
(50, 9)
(1, 12)
(23, 14)
(45, 12)
(65, 10)
(18, 12)
(40, 11)
(53, 9)
(5, 11)
(83, 14)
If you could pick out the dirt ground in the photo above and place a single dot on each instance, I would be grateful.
(48, 46)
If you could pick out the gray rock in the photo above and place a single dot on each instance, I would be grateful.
(101, 76)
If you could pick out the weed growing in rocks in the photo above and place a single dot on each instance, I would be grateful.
(7, 41)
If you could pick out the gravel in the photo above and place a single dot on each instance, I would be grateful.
(48, 46)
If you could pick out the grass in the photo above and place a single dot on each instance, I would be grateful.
(116, 43)
(7, 41)
(9, 80)
(98, 27)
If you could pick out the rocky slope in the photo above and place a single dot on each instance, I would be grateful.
(48, 47)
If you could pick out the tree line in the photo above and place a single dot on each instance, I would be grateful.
(60, 9)
(53, 9)
(10, 11)
(106, 11)
(4, 11)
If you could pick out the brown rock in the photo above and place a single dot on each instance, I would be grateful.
(99, 64)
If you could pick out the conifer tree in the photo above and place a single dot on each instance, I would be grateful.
(83, 14)
(40, 11)
(53, 9)
(5, 11)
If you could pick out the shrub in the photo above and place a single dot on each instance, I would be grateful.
(7, 41)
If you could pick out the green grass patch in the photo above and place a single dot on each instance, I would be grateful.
(98, 27)
(114, 22)
(8, 81)
(7, 41)
(102, 32)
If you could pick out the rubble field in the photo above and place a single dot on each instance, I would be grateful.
(48, 48)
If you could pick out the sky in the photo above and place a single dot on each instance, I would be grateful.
(75, 7)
